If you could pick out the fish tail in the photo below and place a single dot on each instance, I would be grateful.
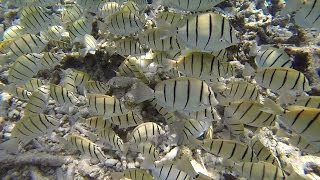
(10, 146)
(271, 107)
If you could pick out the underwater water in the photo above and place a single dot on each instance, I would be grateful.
(159, 89)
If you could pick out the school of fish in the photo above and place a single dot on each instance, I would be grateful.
(176, 54)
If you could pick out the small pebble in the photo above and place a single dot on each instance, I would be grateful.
(111, 162)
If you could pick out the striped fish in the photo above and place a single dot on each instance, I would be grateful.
(236, 128)
(111, 138)
(308, 101)
(87, 147)
(273, 57)
(149, 151)
(282, 79)
(168, 116)
(302, 120)
(24, 68)
(104, 105)
(249, 113)
(194, 5)
(79, 28)
(152, 39)
(71, 13)
(124, 23)
(13, 32)
(128, 120)
(137, 174)
(62, 96)
(74, 78)
(28, 43)
(229, 149)
(55, 33)
(49, 60)
(97, 87)
(184, 94)
(263, 153)
(130, 67)
(33, 84)
(129, 46)
(203, 66)
(35, 20)
(308, 15)
(193, 129)
(98, 123)
(304, 145)
(88, 45)
(38, 101)
(166, 172)
(259, 171)
(208, 114)
(108, 8)
(19, 92)
(206, 32)
(145, 132)
(238, 91)
(28, 128)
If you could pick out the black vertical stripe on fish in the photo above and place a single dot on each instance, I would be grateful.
(297, 117)
(46, 118)
(89, 148)
(296, 82)
(274, 61)
(165, 93)
(263, 75)
(313, 5)
(169, 172)
(263, 170)
(233, 150)
(245, 152)
(247, 110)
(35, 125)
(210, 32)
(222, 28)
(271, 79)
(250, 172)
(114, 105)
(192, 61)
(221, 145)
(188, 94)
(245, 90)
(42, 121)
(310, 122)
(230, 34)
(187, 31)
(25, 127)
(284, 80)
(197, 27)
(201, 91)
(81, 142)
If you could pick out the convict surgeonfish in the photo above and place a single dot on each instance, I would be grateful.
(124, 23)
(184, 94)
(304, 144)
(238, 91)
(71, 13)
(55, 33)
(195, 5)
(273, 57)
(151, 38)
(28, 43)
(108, 8)
(62, 96)
(168, 116)
(98, 123)
(191, 128)
(208, 114)
(149, 151)
(13, 32)
(308, 101)
(137, 174)
(97, 87)
(302, 120)
(249, 113)
(19, 92)
(35, 20)
(38, 101)
(280, 79)
(112, 138)
(50, 59)
(86, 147)
(104, 105)
(33, 84)
(145, 132)
(259, 170)
(229, 149)
(203, 66)
(167, 18)
(74, 78)
(129, 46)
(263, 153)
(79, 28)
(127, 120)
(169, 172)
(24, 68)
(206, 32)
(29, 127)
